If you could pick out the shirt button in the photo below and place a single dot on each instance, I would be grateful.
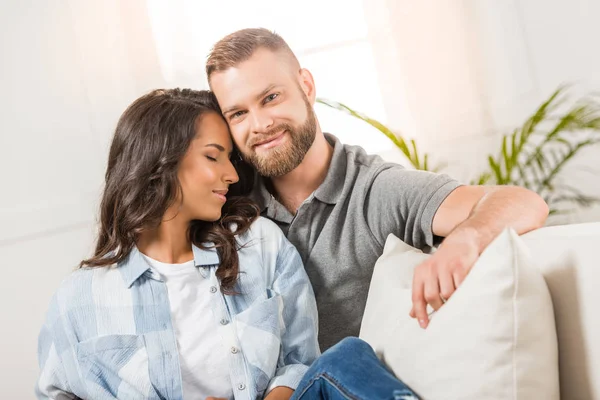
(234, 350)
(213, 289)
(223, 321)
(241, 386)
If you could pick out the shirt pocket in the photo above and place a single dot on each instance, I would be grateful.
(116, 366)
(259, 329)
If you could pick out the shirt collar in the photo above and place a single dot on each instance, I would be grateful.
(260, 194)
(328, 192)
(135, 265)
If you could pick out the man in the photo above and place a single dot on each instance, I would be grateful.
(337, 204)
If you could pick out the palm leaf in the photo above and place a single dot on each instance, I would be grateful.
(409, 151)
(561, 159)
(533, 157)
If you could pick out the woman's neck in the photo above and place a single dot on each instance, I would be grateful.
(169, 243)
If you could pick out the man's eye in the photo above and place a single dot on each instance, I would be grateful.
(271, 97)
(236, 114)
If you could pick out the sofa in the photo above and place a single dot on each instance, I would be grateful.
(569, 258)
(559, 312)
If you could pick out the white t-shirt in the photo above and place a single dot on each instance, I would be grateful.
(202, 354)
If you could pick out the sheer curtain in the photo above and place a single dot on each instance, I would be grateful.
(330, 38)
(68, 70)
(434, 70)
(454, 75)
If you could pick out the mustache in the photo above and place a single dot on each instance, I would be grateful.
(255, 139)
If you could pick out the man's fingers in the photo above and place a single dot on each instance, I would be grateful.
(446, 286)
(432, 293)
(419, 305)
(458, 278)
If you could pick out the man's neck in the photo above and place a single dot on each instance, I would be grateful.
(295, 187)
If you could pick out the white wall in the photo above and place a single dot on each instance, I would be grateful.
(68, 70)
(562, 39)
(457, 74)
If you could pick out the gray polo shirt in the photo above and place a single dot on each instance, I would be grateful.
(340, 230)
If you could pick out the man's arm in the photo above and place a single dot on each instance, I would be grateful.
(490, 209)
(470, 218)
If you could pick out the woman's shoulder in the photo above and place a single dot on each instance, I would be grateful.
(86, 274)
(263, 240)
(76, 288)
(75, 279)
(265, 233)
(266, 228)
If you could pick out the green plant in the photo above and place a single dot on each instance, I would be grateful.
(408, 147)
(533, 155)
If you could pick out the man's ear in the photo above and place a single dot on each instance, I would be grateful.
(307, 83)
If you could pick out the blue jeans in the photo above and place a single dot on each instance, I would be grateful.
(351, 370)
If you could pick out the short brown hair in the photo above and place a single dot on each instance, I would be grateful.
(239, 46)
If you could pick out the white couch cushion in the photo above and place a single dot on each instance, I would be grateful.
(494, 339)
(569, 258)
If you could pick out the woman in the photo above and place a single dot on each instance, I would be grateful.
(189, 293)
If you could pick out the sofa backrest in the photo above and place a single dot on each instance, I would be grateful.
(569, 257)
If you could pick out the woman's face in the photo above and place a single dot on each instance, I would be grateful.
(206, 171)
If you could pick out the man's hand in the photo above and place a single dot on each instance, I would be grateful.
(470, 218)
(436, 279)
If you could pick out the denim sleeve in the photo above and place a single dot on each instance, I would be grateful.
(300, 346)
(52, 382)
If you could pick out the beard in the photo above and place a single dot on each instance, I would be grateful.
(283, 159)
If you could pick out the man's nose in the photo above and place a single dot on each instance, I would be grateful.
(261, 122)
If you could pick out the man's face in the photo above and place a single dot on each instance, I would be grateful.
(270, 117)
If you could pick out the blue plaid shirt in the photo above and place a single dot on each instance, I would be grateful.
(108, 332)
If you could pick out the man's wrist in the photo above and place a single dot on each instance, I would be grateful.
(479, 237)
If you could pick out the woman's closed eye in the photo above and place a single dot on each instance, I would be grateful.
(231, 158)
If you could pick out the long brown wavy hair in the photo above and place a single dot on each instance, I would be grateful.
(151, 139)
